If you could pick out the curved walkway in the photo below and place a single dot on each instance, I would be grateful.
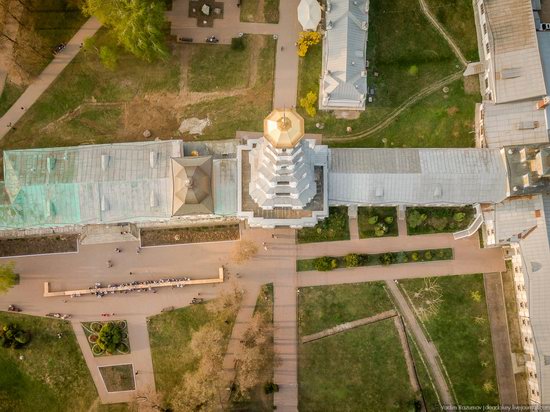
(426, 10)
(48, 75)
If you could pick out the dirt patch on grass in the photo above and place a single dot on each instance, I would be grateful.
(38, 245)
(175, 236)
(471, 85)
(118, 378)
(451, 111)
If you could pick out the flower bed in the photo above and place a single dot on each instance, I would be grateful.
(426, 220)
(377, 221)
(117, 331)
(327, 263)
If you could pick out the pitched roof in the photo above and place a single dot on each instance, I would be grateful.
(344, 82)
(515, 52)
(416, 176)
(192, 192)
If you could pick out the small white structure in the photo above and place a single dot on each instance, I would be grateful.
(309, 14)
(344, 82)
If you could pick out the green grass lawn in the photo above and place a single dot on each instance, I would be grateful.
(252, 13)
(359, 370)
(386, 216)
(406, 52)
(322, 307)
(457, 17)
(169, 335)
(52, 374)
(459, 327)
(85, 80)
(244, 112)
(218, 67)
(438, 219)
(334, 227)
(9, 96)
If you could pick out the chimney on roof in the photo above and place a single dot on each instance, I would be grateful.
(541, 104)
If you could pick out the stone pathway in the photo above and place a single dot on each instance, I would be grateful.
(48, 75)
(286, 66)
(500, 337)
(428, 348)
(343, 327)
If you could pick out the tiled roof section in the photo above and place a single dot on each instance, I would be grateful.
(88, 184)
(416, 176)
(517, 62)
(514, 123)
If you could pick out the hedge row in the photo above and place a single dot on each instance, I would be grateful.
(326, 263)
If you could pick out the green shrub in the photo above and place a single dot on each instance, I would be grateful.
(270, 387)
(428, 255)
(414, 256)
(324, 263)
(351, 260)
(459, 216)
(109, 337)
(401, 257)
(438, 223)
(11, 336)
(333, 263)
(388, 220)
(373, 220)
(416, 219)
(238, 43)
(380, 229)
(386, 259)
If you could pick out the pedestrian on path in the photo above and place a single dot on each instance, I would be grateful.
(137, 372)
(274, 236)
(8, 125)
(265, 246)
(22, 108)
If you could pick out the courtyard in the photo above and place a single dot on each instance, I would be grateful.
(233, 85)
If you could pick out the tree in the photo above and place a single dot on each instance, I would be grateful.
(109, 337)
(416, 219)
(138, 25)
(8, 277)
(244, 250)
(307, 39)
(199, 389)
(11, 336)
(108, 57)
(308, 103)
(352, 260)
(255, 354)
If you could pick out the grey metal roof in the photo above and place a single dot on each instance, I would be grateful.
(416, 176)
(517, 69)
(514, 123)
(88, 184)
(224, 183)
(344, 82)
(535, 252)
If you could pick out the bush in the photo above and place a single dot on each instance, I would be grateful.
(414, 256)
(388, 220)
(307, 39)
(459, 217)
(108, 57)
(308, 103)
(372, 220)
(401, 257)
(109, 337)
(438, 223)
(238, 43)
(428, 255)
(386, 259)
(352, 260)
(11, 336)
(325, 263)
(270, 387)
(380, 229)
(413, 70)
(416, 219)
